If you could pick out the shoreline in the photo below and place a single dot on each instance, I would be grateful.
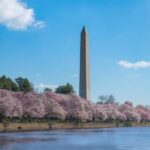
(18, 127)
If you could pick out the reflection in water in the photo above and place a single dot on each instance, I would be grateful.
(23, 140)
(84, 139)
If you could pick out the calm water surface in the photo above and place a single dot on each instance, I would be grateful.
(89, 139)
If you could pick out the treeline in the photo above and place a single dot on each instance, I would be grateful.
(20, 84)
(24, 85)
(67, 107)
(18, 100)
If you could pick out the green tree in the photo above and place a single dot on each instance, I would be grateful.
(48, 90)
(65, 89)
(24, 84)
(106, 99)
(8, 84)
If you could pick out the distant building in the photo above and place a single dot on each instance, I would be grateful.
(84, 87)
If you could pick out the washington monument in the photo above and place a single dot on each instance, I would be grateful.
(84, 87)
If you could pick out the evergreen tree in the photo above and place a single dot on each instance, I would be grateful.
(48, 90)
(24, 84)
(65, 89)
(8, 84)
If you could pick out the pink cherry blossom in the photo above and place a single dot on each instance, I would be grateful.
(72, 107)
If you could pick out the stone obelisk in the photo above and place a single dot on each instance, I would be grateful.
(84, 88)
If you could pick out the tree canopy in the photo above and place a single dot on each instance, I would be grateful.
(65, 89)
(20, 84)
(106, 99)
(24, 84)
(67, 107)
(48, 90)
(8, 84)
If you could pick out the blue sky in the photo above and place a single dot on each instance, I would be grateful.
(40, 40)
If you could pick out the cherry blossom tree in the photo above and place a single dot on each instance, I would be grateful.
(68, 106)
(9, 105)
(53, 109)
(131, 113)
(144, 112)
(32, 105)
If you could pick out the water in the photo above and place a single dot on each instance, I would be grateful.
(84, 139)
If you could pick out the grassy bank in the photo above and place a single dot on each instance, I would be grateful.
(64, 125)
(49, 126)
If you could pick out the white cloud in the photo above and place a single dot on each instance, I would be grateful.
(39, 24)
(15, 15)
(75, 75)
(42, 86)
(136, 65)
